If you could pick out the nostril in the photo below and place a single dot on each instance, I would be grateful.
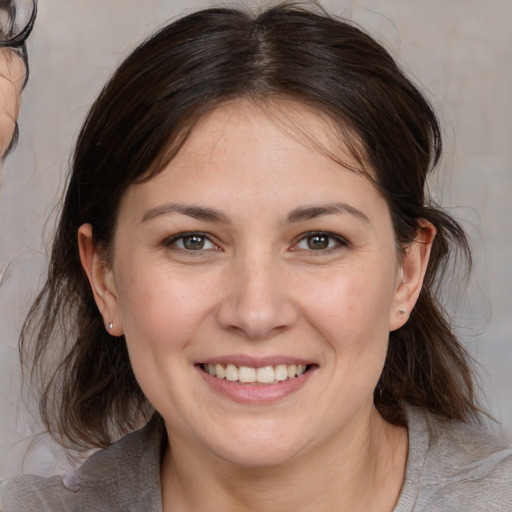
(257, 320)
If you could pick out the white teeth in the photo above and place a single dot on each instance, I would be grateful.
(281, 372)
(246, 374)
(231, 372)
(263, 375)
(220, 371)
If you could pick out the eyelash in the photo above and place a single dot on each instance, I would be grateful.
(173, 242)
(338, 242)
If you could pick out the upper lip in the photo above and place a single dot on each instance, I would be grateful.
(255, 362)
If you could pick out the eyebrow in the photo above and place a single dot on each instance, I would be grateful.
(196, 212)
(298, 214)
(311, 212)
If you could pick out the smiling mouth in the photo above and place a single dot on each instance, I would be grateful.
(265, 375)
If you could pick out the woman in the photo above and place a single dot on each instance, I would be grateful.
(246, 256)
(16, 22)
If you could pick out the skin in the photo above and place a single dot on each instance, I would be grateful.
(257, 289)
(12, 75)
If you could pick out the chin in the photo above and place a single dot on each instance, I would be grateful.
(258, 448)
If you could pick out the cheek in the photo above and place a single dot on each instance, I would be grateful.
(354, 301)
(157, 307)
(160, 315)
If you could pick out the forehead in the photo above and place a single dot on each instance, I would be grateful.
(271, 128)
(244, 155)
(307, 125)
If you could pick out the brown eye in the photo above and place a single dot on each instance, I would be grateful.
(190, 242)
(318, 242)
(194, 242)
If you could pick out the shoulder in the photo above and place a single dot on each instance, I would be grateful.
(466, 453)
(458, 466)
(117, 478)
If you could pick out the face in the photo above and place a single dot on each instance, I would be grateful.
(12, 75)
(256, 282)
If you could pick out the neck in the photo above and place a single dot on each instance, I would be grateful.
(357, 472)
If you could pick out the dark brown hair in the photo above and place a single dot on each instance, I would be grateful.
(138, 123)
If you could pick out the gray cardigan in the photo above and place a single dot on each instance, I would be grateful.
(451, 466)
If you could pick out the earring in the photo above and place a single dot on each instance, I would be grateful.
(110, 326)
(401, 313)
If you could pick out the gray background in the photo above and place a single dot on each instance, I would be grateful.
(459, 50)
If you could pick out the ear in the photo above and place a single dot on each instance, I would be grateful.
(101, 279)
(412, 272)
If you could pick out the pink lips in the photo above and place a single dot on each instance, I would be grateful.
(256, 393)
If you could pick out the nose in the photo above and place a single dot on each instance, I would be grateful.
(258, 299)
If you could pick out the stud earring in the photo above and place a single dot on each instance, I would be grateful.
(401, 313)
(110, 326)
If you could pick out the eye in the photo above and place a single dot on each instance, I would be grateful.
(319, 241)
(190, 242)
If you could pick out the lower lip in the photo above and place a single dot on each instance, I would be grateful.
(252, 393)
